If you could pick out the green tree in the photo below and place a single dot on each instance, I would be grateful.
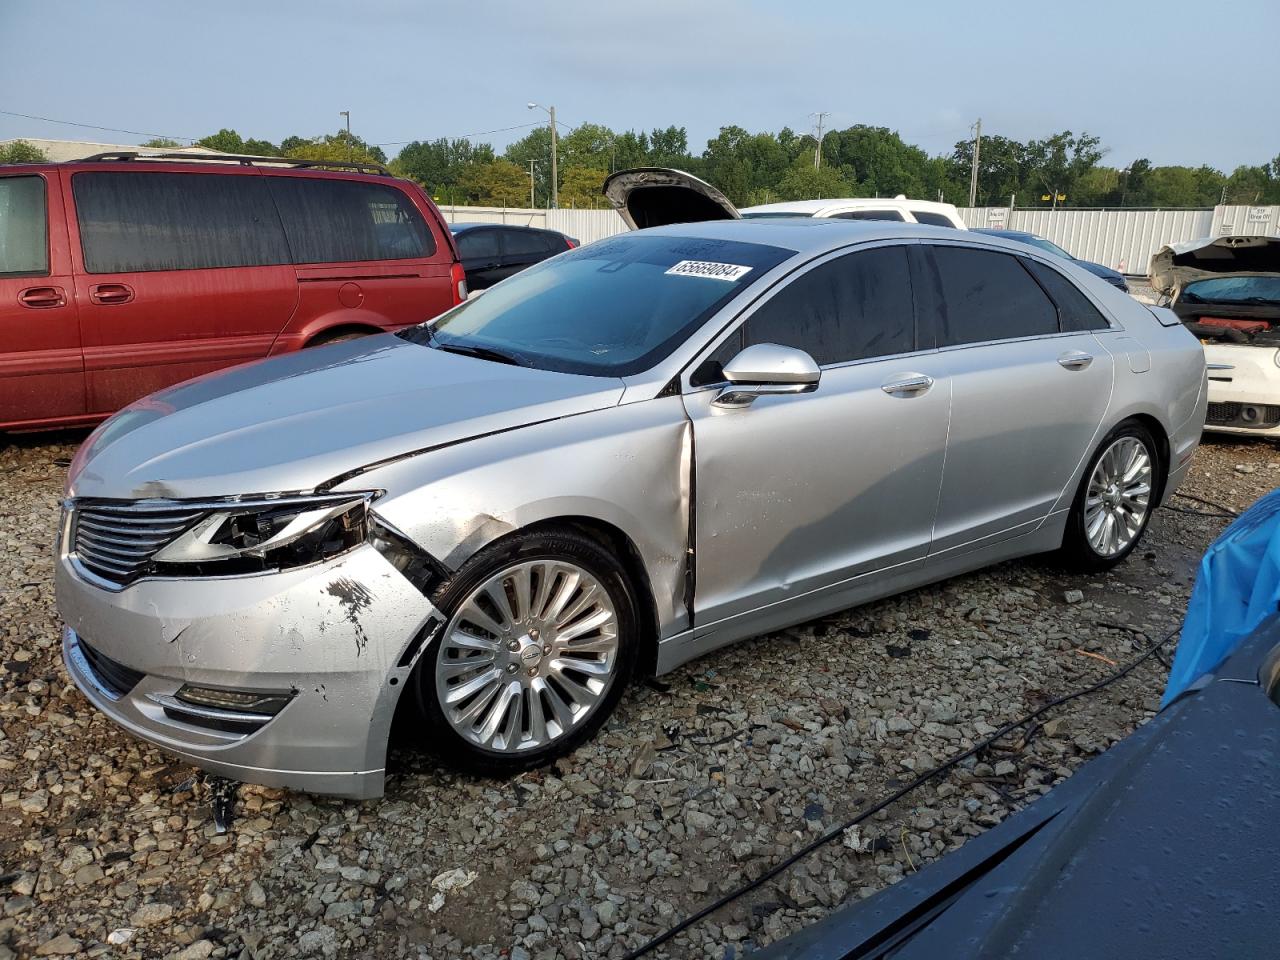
(225, 141)
(261, 148)
(1057, 163)
(162, 143)
(580, 187)
(498, 183)
(22, 152)
(806, 182)
(337, 146)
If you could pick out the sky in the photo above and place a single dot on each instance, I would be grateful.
(1176, 81)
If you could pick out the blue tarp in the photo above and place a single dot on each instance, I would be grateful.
(1238, 587)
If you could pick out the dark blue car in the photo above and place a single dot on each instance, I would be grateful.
(1113, 277)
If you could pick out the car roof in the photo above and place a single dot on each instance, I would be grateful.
(1012, 234)
(814, 207)
(815, 235)
(464, 227)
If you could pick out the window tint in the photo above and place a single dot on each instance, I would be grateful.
(477, 244)
(133, 221)
(871, 215)
(1075, 311)
(932, 219)
(525, 243)
(988, 296)
(334, 221)
(848, 309)
(24, 228)
(554, 243)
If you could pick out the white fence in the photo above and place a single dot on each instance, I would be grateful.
(1122, 239)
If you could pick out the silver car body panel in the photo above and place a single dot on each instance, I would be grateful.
(740, 520)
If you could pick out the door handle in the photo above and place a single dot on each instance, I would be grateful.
(1075, 360)
(38, 297)
(107, 293)
(912, 385)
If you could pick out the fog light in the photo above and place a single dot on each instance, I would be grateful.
(267, 704)
(1250, 414)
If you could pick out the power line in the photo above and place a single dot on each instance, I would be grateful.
(93, 126)
(466, 136)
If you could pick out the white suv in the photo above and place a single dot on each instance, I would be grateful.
(864, 208)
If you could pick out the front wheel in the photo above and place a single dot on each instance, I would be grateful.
(1117, 494)
(538, 646)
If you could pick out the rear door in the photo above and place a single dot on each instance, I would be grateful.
(177, 274)
(41, 369)
(364, 252)
(480, 250)
(1029, 392)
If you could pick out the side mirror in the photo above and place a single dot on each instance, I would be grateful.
(765, 369)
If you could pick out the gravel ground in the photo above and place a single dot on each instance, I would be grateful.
(108, 847)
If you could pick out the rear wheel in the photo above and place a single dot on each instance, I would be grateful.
(1117, 494)
(536, 651)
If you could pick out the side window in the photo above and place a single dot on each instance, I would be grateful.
(988, 296)
(133, 221)
(525, 243)
(871, 215)
(477, 244)
(336, 221)
(553, 243)
(852, 308)
(932, 219)
(1075, 311)
(24, 227)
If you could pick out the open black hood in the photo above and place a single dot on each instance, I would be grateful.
(658, 196)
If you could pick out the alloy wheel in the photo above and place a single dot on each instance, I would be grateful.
(1118, 497)
(528, 656)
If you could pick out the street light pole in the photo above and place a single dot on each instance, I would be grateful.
(532, 204)
(347, 114)
(555, 184)
(973, 174)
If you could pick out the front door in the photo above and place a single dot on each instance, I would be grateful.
(41, 368)
(796, 493)
(180, 274)
(1029, 392)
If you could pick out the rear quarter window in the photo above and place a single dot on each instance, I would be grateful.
(932, 219)
(1075, 311)
(337, 221)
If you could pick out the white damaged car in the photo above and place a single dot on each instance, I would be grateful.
(1226, 290)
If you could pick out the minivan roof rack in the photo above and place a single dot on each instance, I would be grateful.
(359, 166)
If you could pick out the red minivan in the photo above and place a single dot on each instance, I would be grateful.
(120, 274)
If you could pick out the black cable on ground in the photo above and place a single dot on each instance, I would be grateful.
(1208, 503)
(898, 794)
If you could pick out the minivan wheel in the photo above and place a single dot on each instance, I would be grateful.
(1116, 497)
(537, 648)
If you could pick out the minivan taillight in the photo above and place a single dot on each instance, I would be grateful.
(458, 280)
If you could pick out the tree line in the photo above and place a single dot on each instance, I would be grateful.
(1065, 168)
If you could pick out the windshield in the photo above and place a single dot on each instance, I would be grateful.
(1233, 290)
(1044, 244)
(612, 308)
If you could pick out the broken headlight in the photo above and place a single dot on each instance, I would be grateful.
(269, 534)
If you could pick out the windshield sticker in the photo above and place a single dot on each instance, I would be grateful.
(709, 269)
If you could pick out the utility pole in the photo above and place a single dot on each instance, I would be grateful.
(817, 150)
(555, 185)
(531, 202)
(347, 114)
(973, 174)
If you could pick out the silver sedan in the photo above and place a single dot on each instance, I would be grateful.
(481, 529)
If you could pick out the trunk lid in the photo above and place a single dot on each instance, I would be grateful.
(1177, 264)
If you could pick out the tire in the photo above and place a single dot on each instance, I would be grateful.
(1097, 499)
(498, 733)
(324, 341)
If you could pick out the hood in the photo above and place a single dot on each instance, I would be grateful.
(1177, 264)
(292, 423)
(658, 196)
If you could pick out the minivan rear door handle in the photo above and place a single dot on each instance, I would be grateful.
(107, 293)
(1075, 359)
(38, 297)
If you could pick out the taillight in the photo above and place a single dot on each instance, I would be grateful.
(458, 280)
(571, 242)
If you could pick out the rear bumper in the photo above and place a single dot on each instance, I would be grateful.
(291, 633)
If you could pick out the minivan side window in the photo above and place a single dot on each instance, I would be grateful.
(870, 215)
(932, 219)
(1075, 311)
(988, 296)
(851, 308)
(337, 221)
(132, 222)
(24, 227)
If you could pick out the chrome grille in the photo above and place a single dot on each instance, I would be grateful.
(117, 541)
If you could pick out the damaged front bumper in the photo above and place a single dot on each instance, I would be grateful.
(329, 646)
(1244, 389)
